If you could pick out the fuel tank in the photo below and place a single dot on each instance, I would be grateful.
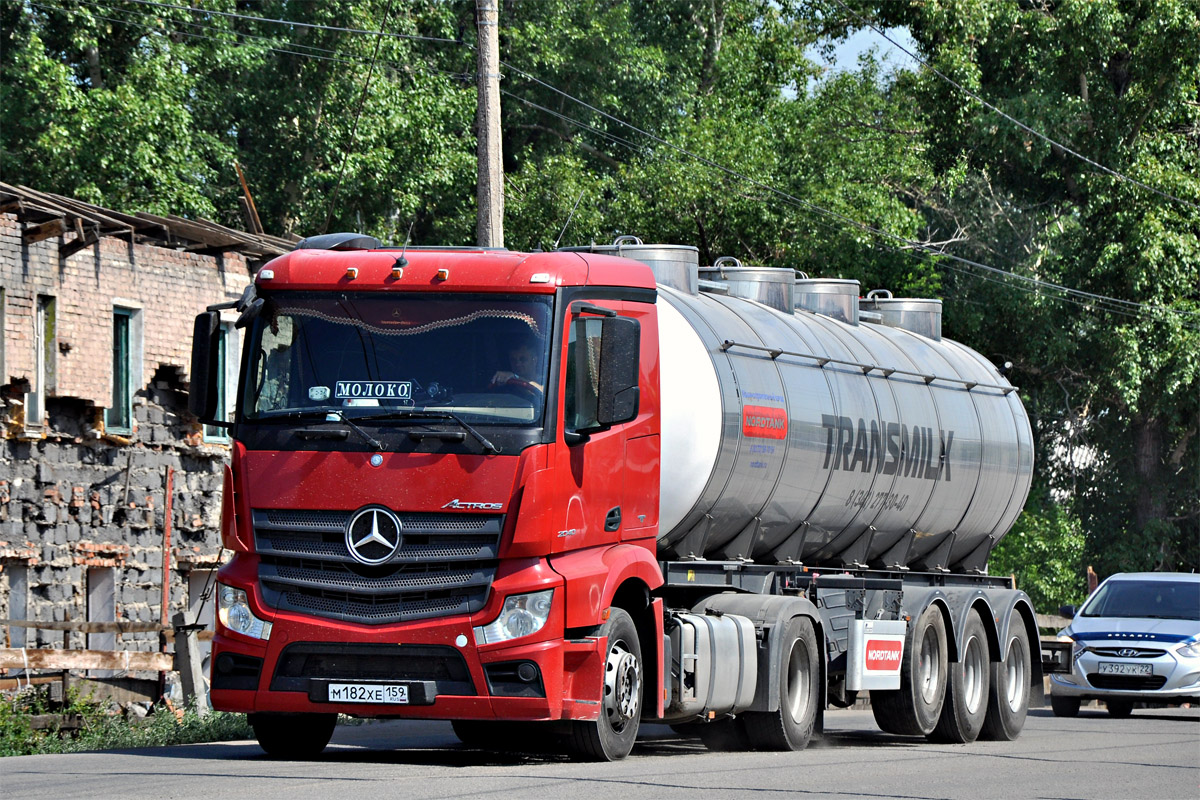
(795, 436)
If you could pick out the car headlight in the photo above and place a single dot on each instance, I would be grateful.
(522, 615)
(1190, 648)
(1065, 635)
(234, 612)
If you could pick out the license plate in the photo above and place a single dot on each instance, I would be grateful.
(1113, 668)
(386, 693)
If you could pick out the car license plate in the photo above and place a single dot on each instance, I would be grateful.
(387, 693)
(1113, 668)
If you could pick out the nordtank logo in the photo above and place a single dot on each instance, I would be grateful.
(456, 503)
(373, 535)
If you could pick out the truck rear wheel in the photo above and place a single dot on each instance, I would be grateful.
(1008, 695)
(914, 708)
(966, 703)
(791, 726)
(292, 736)
(611, 737)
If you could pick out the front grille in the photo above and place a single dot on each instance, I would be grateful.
(444, 566)
(1126, 652)
(301, 662)
(1126, 682)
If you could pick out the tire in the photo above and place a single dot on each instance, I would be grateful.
(1119, 709)
(725, 736)
(292, 736)
(1064, 706)
(611, 737)
(790, 727)
(914, 708)
(967, 691)
(1008, 693)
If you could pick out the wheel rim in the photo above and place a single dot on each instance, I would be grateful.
(973, 666)
(622, 686)
(1014, 669)
(798, 681)
(930, 668)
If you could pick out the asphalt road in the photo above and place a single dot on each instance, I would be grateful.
(1154, 754)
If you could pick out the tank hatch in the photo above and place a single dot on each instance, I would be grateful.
(673, 265)
(914, 314)
(771, 286)
(831, 297)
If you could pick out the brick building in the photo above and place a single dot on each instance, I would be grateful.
(96, 310)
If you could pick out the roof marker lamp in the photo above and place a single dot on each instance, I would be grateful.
(522, 615)
(233, 610)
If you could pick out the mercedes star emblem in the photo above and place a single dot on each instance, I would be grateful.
(373, 535)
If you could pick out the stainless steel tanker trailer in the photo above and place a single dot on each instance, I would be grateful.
(818, 448)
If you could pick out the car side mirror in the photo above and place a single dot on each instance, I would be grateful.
(1067, 611)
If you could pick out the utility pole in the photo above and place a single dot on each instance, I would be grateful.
(489, 227)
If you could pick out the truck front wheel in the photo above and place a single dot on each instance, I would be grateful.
(611, 737)
(292, 736)
(791, 726)
(914, 708)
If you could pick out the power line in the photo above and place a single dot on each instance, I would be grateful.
(294, 23)
(362, 99)
(1011, 118)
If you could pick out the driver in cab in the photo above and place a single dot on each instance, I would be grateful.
(524, 369)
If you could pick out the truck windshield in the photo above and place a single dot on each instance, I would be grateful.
(482, 358)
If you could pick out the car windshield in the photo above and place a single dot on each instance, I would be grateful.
(1145, 599)
(382, 356)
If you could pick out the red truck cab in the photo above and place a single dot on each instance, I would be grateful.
(420, 529)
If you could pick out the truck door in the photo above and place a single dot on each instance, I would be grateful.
(591, 460)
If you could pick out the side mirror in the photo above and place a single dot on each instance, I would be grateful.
(206, 353)
(620, 348)
(1067, 611)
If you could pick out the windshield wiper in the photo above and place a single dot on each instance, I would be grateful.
(450, 415)
(324, 415)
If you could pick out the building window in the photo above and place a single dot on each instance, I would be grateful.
(3, 337)
(119, 416)
(227, 373)
(101, 607)
(18, 601)
(45, 346)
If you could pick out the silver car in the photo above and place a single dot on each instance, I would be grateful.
(1137, 639)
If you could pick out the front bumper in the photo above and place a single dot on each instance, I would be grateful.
(1173, 679)
(538, 677)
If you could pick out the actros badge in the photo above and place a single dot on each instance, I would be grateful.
(456, 503)
(373, 535)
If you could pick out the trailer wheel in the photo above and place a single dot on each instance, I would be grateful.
(914, 708)
(1064, 706)
(1008, 696)
(292, 736)
(725, 736)
(966, 703)
(611, 737)
(791, 726)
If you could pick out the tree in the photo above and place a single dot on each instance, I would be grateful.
(1114, 388)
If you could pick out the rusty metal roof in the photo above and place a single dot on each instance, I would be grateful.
(44, 215)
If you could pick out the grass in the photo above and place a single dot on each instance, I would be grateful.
(104, 728)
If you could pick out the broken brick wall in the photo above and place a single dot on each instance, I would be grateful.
(74, 496)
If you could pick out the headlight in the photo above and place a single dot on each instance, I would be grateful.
(522, 615)
(1065, 635)
(234, 612)
(1190, 648)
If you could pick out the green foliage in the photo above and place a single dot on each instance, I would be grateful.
(1044, 550)
(105, 729)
